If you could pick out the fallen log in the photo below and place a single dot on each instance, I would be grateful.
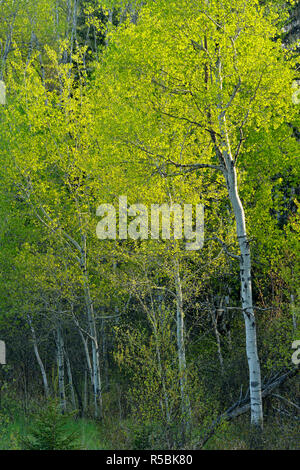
(242, 406)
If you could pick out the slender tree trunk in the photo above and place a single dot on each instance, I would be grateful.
(161, 373)
(97, 386)
(61, 368)
(73, 30)
(229, 171)
(185, 400)
(158, 354)
(294, 313)
(104, 354)
(79, 397)
(38, 358)
(8, 45)
(87, 355)
(94, 368)
(70, 378)
(95, 355)
(85, 393)
(227, 317)
(214, 316)
(119, 401)
(154, 323)
(109, 22)
(246, 297)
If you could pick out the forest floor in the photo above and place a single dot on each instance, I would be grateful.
(90, 434)
(118, 435)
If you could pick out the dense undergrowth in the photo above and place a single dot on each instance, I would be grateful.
(20, 429)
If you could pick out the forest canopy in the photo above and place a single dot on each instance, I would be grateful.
(149, 223)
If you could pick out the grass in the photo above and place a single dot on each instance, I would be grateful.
(89, 432)
(277, 435)
(10, 433)
(112, 434)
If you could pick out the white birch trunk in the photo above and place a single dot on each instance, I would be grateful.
(61, 369)
(70, 378)
(185, 400)
(96, 374)
(104, 355)
(229, 170)
(96, 365)
(93, 335)
(87, 355)
(85, 392)
(95, 355)
(246, 295)
(73, 30)
(38, 358)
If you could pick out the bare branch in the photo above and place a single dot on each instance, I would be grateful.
(286, 400)
(194, 166)
(225, 247)
(233, 95)
(241, 407)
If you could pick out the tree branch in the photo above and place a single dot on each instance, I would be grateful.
(241, 407)
(225, 248)
(194, 166)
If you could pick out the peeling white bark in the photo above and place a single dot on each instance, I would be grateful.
(246, 298)
(229, 171)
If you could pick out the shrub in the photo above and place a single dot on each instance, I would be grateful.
(49, 430)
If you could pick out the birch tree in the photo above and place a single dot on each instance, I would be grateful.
(62, 140)
(212, 104)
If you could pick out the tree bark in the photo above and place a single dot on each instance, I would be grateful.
(61, 368)
(214, 319)
(95, 346)
(95, 355)
(246, 296)
(227, 164)
(70, 378)
(185, 400)
(243, 406)
(38, 358)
